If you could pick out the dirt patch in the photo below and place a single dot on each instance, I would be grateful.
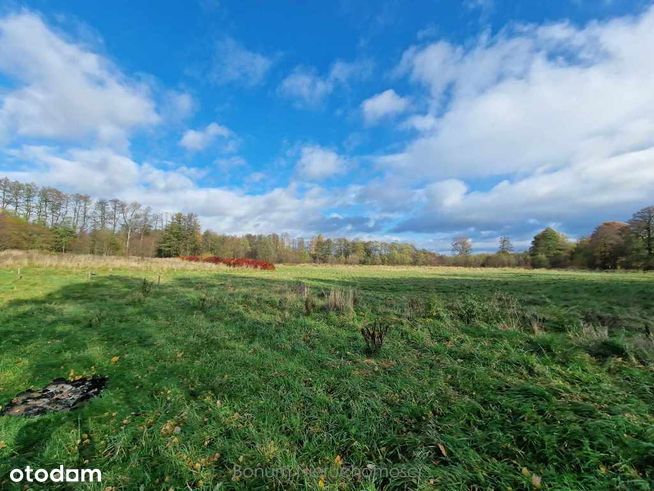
(58, 395)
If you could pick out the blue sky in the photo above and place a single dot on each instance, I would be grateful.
(413, 121)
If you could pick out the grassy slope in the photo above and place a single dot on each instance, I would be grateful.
(246, 375)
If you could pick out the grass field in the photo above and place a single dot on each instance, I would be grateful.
(500, 379)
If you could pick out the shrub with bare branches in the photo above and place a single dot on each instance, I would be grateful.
(374, 333)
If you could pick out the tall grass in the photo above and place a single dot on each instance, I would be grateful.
(23, 259)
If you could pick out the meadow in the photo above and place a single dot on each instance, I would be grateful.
(223, 378)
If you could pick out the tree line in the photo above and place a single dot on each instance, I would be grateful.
(612, 245)
(33, 217)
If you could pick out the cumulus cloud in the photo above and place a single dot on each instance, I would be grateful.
(307, 88)
(63, 90)
(541, 96)
(233, 63)
(178, 105)
(106, 173)
(317, 163)
(585, 192)
(98, 171)
(87, 110)
(196, 140)
(562, 117)
(383, 105)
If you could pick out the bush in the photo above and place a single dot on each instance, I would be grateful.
(239, 262)
(374, 333)
(540, 261)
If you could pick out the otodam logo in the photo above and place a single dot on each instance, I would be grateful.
(58, 474)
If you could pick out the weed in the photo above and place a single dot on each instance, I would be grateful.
(303, 290)
(415, 308)
(96, 319)
(205, 300)
(436, 309)
(146, 288)
(309, 304)
(341, 300)
(374, 333)
(590, 332)
(642, 348)
(603, 349)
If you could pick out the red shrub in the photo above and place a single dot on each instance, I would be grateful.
(240, 262)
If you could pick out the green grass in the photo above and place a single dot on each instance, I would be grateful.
(462, 394)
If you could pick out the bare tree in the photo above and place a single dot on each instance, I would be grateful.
(84, 212)
(144, 226)
(130, 214)
(114, 212)
(100, 214)
(505, 245)
(58, 207)
(15, 195)
(462, 246)
(30, 193)
(4, 192)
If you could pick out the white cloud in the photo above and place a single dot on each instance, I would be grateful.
(64, 90)
(421, 122)
(105, 173)
(307, 88)
(226, 163)
(543, 96)
(97, 171)
(602, 189)
(563, 115)
(178, 105)
(234, 63)
(317, 163)
(383, 105)
(196, 140)
(344, 72)
(446, 194)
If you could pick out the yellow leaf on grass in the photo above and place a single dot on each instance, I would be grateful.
(338, 460)
(441, 447)
(115, 359)
(2, 445)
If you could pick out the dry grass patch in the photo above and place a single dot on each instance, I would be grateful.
(24, 259)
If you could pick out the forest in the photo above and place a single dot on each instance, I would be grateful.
(45, 218)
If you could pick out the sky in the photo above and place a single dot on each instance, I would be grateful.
(393, 120)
